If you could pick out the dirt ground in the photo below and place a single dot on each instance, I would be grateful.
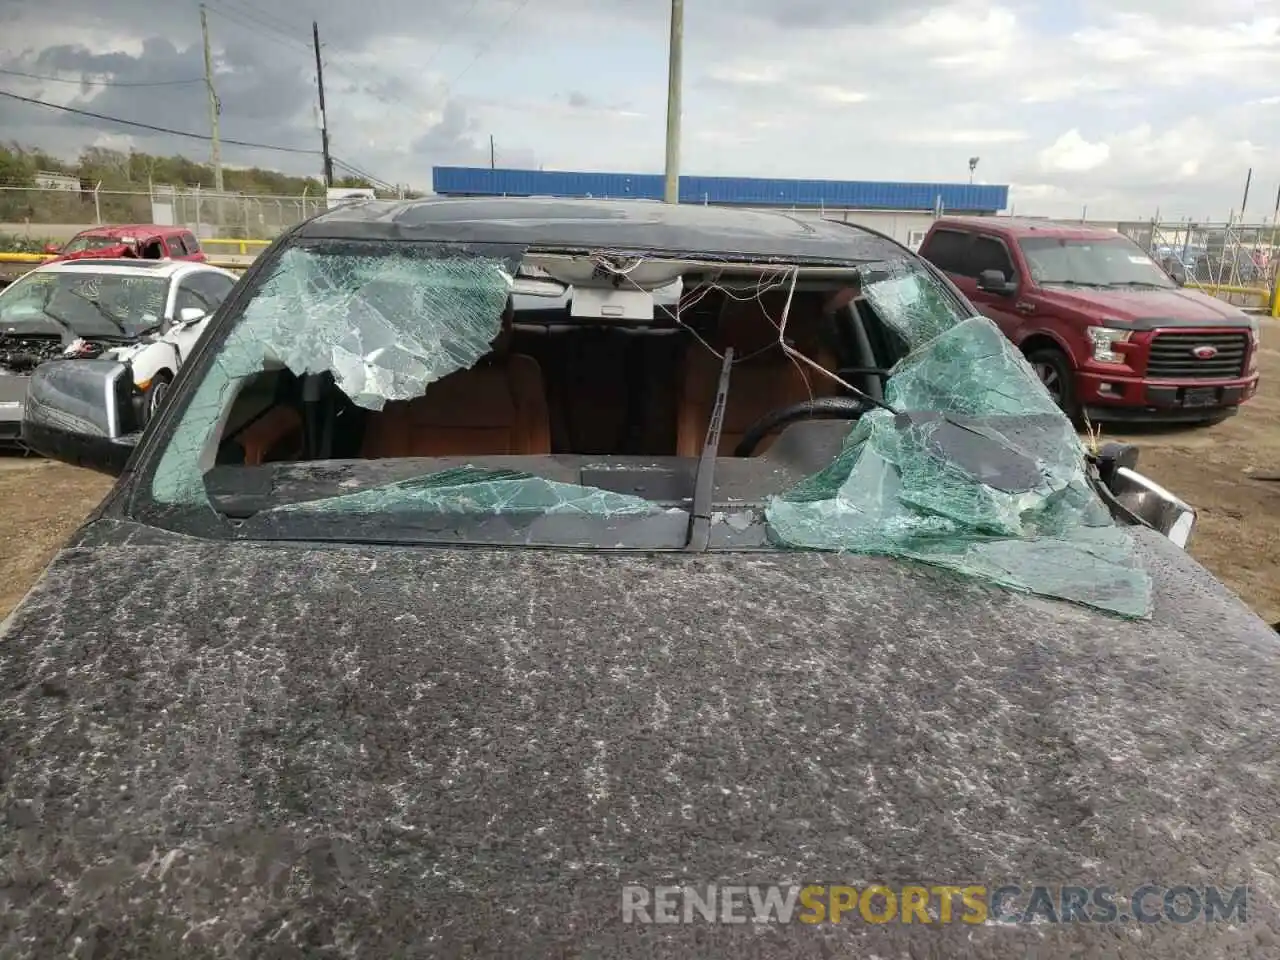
(1214, 468)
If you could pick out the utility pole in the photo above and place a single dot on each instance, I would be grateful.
(214, 107)
(493, 157)
(675, 58)
(324, 120)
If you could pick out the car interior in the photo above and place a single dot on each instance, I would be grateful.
(554, 384)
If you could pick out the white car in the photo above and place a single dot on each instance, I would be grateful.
(147, 313)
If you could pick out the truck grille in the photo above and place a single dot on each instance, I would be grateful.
(1172, 356)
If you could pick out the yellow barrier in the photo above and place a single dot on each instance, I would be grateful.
(242, 246)
(35, 259)
(25, 257)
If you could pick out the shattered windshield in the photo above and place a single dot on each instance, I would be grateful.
(391, 391)
(83, 303)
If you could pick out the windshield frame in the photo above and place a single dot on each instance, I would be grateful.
(1029, 246)
(138, 502)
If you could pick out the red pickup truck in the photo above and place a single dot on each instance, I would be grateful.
(145, 240)
(1111, 335)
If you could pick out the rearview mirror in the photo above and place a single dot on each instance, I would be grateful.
(190, 315)
(81, 412)
(994, 281)
(51, 248)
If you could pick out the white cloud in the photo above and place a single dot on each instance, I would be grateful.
(1072, 153)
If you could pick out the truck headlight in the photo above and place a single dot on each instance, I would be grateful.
(1104, 340)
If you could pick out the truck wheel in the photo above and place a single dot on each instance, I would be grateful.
(1058, 376)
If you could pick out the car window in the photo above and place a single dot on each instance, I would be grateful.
(90, 242)
(191, 244)
(177, 247)
(205, 291)
(947, 249)
(987, 253)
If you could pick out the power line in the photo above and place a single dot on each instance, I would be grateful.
(363, 174)
(257, 26)
(102, 83)
(147, 126)
(489, 46)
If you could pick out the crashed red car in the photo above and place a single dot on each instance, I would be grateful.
(143, 240)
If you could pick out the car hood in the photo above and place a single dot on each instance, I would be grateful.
(1146, 309)
(368, 751)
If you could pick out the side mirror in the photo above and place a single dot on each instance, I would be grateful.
(81, 412)
(190, 315)
(52, 248)
(994, 281)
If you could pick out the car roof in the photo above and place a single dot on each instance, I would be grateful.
(129, 229)
(1027, 227)
(129, 267)
(636, 226)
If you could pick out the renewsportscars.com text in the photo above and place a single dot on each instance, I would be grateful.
(932, 904)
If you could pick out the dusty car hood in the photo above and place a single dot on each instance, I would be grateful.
(377, 751)
(1150, 308)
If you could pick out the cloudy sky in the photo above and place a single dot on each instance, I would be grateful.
(1125, 107)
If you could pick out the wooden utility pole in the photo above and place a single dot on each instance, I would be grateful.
(675, 58)
(324, 120)
(214, 107)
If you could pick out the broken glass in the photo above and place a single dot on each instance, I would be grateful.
(988, 481)
(910, 300)
(473, 490)
(384, 323)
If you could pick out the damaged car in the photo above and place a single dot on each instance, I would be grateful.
(147, 315)
(426, 620)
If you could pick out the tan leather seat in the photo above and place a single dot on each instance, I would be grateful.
(765, 379)
(498, 406)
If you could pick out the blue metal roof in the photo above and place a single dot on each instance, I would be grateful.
(854, 194)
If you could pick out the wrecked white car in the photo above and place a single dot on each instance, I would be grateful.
(420, 623)
(147, 314)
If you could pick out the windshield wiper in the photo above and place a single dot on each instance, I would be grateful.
(704, 480)
(102, 312)
(1144, 284)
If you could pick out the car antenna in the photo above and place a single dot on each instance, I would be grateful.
(704, 480)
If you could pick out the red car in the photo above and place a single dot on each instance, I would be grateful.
(1110, 334)
(145, 240)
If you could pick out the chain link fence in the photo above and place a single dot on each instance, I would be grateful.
(205, 212)
(1213, 255)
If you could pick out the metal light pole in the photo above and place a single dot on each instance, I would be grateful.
(675, 58)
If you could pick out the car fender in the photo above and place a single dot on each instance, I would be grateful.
(150, 360)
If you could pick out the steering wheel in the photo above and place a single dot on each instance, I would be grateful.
(823, 408)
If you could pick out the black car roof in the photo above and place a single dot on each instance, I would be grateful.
(630, 225)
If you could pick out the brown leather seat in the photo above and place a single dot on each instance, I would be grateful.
(276, 435)
(498, 406)
(764, 377)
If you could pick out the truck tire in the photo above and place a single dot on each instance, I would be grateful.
(1055, 371)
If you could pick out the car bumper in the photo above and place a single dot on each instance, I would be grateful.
(10, 424)
(1106, 396)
